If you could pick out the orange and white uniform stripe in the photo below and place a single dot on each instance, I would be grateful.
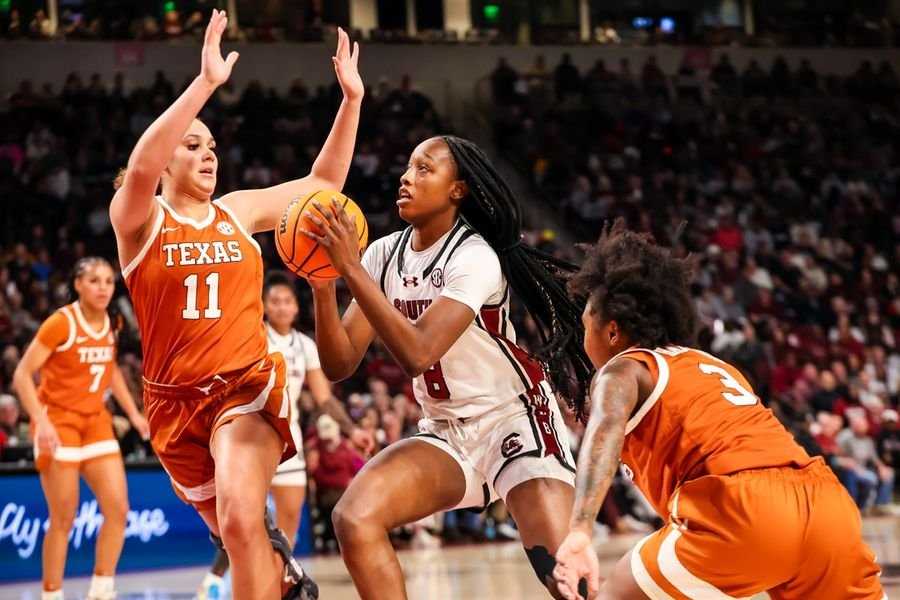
(748, 509)
(74, 381)
(197, 293)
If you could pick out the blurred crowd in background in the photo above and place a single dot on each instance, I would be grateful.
(779, 184)
(715, 23)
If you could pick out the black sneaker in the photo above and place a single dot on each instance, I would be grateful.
(304, 587)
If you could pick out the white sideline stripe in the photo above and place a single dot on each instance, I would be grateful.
(658, 390)
(157, 225)
(97, 335)
(642, 576)
(77, 454)
(683, 580)
(71, 340)
(258, 403)
(202, 492)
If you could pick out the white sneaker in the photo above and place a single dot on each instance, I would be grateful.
(508, 531)
(212, 588)
(422, 539)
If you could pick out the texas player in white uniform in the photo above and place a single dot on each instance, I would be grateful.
(437, 296)
(301, 358)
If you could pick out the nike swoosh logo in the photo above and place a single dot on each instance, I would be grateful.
(168, 229)
(81, 339)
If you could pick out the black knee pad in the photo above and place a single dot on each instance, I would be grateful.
(217, 541)
(543, 564)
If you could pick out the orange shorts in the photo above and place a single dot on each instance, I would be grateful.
(83, 437)
(792, 532)
(184, 419)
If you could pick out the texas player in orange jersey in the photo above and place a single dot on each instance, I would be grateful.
(75, 352)
(216, 399)
(747, 509)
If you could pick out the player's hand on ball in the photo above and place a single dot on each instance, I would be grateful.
(339, 235)
(576, 559)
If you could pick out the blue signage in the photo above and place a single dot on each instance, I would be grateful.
(162, 531)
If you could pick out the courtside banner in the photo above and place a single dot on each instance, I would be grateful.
(161, 532)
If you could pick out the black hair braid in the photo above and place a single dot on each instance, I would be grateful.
(538, 278)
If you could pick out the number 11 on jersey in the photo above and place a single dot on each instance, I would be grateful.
(212, 310)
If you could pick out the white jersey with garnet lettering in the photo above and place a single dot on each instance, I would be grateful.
(197, 293)
(484, 367)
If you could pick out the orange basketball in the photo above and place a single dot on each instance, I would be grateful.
(302, 255)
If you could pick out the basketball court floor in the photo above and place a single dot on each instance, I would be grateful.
(488, 572)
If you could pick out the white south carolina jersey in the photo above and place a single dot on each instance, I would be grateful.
(300, 355)
(484, 367)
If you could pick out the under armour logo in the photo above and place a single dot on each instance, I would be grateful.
(410, 281)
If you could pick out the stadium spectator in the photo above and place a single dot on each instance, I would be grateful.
(869, 480)
(332, 462)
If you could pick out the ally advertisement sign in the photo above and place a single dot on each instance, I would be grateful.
(161, 530)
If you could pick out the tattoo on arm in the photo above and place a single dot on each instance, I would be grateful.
(615, 396)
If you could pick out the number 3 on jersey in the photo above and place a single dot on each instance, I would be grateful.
(741, 397)
(212, 310)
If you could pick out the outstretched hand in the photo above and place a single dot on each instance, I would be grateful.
(214, 69)
(576, 559)
(345, 67)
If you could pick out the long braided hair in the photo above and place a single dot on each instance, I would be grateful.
(538, 278)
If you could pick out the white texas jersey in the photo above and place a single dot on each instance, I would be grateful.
(300, 355)
(484, 367)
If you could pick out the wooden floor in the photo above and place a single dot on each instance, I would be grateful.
(486, 572)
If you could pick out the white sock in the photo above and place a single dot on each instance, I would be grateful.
(54, 595)
(102, 587)
(212, 579)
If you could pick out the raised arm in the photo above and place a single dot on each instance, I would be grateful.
(133, 205)
(258, 210)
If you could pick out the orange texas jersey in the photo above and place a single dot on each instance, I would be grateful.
(77, 374)
(197, 294)
(701, 418)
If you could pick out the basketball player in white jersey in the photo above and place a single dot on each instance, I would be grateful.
(288, 487)
(438, 296)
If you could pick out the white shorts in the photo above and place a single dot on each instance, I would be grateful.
(518, 441)
(292, 472)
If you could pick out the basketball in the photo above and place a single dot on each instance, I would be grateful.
(302, 255)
